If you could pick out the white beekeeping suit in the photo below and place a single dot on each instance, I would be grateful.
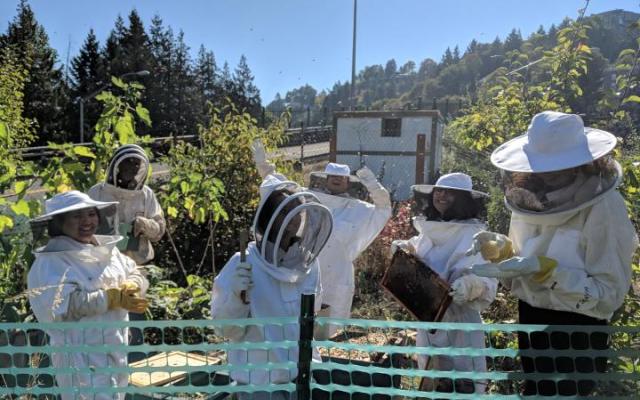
(71, 281)
(138, 206)
(273, 279)
(356, 224)
(442, 245)
(570, 243)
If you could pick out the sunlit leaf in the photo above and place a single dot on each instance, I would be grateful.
(143, 114)
(21, 208)
(83, 151)
(5, 223)
(117, 82)
(633, 98)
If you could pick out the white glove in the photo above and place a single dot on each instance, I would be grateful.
(144, 226)
(378, 193)
(404, 245)
(366, 175)
(467, 288)
(260, 158)
(493, 246)
(242, 280)
(540, 267)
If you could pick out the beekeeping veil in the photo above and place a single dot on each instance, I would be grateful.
(291, 226)
(557, 165)
(123, 155)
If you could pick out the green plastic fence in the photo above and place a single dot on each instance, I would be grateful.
(365, 359)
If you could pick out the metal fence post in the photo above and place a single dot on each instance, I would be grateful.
(305, 351)
(301, 144)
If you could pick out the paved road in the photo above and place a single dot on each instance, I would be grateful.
(313, 151)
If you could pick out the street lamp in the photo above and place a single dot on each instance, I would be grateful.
(82, 99)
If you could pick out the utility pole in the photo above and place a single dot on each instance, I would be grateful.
(353, 58)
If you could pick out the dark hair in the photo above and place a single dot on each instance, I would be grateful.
(464, 207)
(54, 225)
(268, 208)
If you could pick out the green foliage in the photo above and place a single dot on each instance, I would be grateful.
(44, 91)
(80, 167)
(511, 100)
(213, 189)
(171, 302)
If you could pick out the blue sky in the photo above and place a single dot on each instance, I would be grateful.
(289, 43)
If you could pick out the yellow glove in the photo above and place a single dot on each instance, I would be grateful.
(493, 247)
(127, 299)
(494, 252)
(547, 266)
(129, 285)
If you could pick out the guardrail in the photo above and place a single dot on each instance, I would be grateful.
(298, 136)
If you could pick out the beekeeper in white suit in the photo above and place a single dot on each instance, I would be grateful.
(291, 227)
(446, 228)
(138, 210)
(356, 224)
(82, 277)
(568, 254)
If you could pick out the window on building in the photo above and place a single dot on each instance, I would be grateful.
(391, 127)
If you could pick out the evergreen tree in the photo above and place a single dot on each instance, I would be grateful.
(161, 87)
(513, 41)
(184, 95)
(87, 70)
(45, 92)
(206, 74)
(472, 47)
(245, 95)
(390, 69)
(456, 55)
(206, 84)
(136, 46)
(447, 58)
(113, 53)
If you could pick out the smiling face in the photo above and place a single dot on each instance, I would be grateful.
(337, 184)
(81, 225)
(443, 199)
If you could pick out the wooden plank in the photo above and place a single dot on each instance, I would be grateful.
(171, 359)
(421, 150)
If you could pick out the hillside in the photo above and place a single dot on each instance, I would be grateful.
(457, 75)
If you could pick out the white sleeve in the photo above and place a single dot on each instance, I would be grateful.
(134, 273)
(154, 213)
(487, 286)
(360, 227)
(226, 305)
(84, 304)
(609, 241)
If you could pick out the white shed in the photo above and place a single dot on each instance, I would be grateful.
(406, 145)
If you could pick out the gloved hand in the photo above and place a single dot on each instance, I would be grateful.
(466, 288)
(126, 298)
(260, 159)
(130, 285)
(365, 174)
(540, 267)
(242, 281)
(378, 193)
(494, 247)
(404, 245)
(143, 226)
